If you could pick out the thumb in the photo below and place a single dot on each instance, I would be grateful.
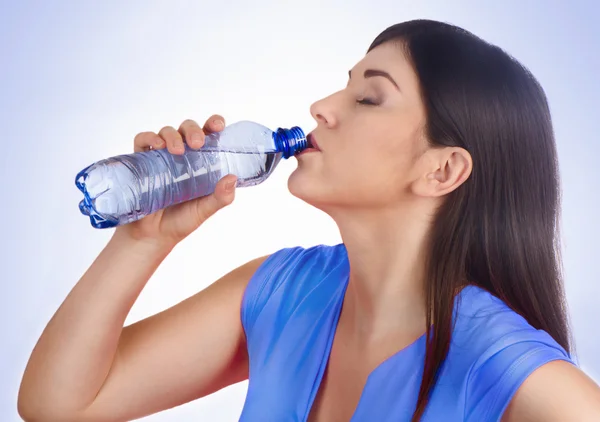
(223, 195)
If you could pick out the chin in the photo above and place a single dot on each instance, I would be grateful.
(304, 187)
(314, 192)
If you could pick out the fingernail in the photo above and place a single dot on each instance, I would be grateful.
(229, 186)
(196, 137)
(159, 142)
(219, 124)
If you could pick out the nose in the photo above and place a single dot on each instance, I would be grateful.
(322, 112)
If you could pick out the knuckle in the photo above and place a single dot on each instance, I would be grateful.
(169, 134)
(188, 124)
(143, 138)
(214, 117)
(167, 131)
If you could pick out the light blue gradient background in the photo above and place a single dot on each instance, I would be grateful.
(79, 79)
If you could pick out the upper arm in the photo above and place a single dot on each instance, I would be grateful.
(183, 353)
(504, 366)
(557, 391)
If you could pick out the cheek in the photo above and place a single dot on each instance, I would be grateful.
(385, 161)
(369, 169)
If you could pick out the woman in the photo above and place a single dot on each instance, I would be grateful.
(444, 302)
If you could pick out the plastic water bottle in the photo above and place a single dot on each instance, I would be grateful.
(125, 188)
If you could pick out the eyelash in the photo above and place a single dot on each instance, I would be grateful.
(367, 101)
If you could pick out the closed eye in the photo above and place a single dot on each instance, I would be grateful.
(367, 101)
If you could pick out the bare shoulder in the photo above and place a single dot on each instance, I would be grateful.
(556, 391)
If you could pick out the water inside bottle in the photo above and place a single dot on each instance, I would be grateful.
(126, 188)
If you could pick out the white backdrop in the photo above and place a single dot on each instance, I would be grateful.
(79, 79)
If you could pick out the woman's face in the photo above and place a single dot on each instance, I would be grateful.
(370, 137)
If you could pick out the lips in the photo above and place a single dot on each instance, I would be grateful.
(312, 142)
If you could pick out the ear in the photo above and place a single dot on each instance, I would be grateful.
(443, 170)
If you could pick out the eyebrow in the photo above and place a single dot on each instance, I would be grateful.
(370, 73)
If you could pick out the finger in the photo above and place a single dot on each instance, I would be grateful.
(215, 123)
(144, 140)
(192, 133)
(223, 195)
(173, 139)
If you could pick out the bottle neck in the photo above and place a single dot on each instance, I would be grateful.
(290, 141)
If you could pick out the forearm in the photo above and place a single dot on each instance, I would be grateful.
(76, 350)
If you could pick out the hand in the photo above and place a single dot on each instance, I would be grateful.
(169, 226)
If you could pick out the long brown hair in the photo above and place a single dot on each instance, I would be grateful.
(500, 229)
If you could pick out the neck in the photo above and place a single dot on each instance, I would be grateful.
(387, 251)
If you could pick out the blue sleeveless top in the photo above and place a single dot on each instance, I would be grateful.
(290, 311)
